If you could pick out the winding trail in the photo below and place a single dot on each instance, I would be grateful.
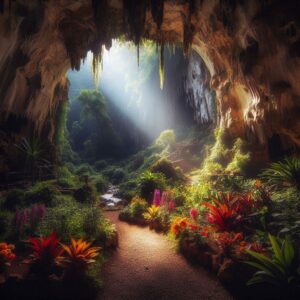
(145, 267)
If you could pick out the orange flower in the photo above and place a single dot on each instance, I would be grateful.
(193, 227)
(258, 184)
(175, 229)
(183, 222)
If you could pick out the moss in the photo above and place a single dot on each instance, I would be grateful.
(65, 178)
(166, 139)
(165, 167)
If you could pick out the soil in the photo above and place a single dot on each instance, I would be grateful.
(146, 266)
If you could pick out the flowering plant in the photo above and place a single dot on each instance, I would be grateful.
(80, 254)
(228, 242)
(6, 255)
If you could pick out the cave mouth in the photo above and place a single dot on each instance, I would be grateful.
(135, 98)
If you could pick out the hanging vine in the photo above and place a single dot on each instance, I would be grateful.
(157, 11)
(162, 65)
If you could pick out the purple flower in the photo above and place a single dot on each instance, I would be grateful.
(194, 213)
(156, 197)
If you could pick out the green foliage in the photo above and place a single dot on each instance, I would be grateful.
(72, 219)
(166, 139)
(148, 182)
(281, 270)
(65, 178)
(285, 212)
(100, 165)
(41, 192)
(128, 189)
(240, 160)
(165, 167)
(137, 207)
(86, 193)
(286, 173)
(84, 169)
(100, 183)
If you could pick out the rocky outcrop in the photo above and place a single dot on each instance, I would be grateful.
(251, 49)
(197, 89)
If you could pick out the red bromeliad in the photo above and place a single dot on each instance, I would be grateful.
(46, 251)
(222, 216)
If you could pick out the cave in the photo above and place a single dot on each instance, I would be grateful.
(123, 122)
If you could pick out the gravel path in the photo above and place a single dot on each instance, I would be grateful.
(146, 267)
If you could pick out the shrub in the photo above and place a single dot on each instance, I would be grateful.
(128, 189)
(137, 207)
(100, 183)
(118, 175)
(41, 192)
(85, 169)
(149, 182)
(166, 139)
(86, 194)
(286, 173)
(65, 178)
(165, 167)
(100, 165)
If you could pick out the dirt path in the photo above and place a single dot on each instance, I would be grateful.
(146, 267)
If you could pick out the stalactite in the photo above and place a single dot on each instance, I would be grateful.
(97, 65)
(157, 11)
(188, 27)
(138, 54)
(162, 65)
(135, 15)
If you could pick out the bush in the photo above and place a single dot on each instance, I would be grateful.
(118, 175)
(41, 192)
(165, 167)
(100, 183)
(86, 194)
(149, 182)
(100, 165)
(65, 178)
(85, 169)
(128, 189)
(166, 139)
(137, 207)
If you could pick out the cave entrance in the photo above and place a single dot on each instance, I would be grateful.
(277, 147)
(123, 107)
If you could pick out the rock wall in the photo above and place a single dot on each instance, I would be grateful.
(251, 49)
(197, 90)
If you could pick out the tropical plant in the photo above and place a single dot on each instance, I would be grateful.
(152, 213)
(228, 241)
(281, 270)
(80, 254)
(286, 173)
(32, 149)
(223, 216)
(46, 253)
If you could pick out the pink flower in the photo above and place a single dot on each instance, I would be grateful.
(171, 206)
(156, 197)
(164, 198)
(194, 213)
